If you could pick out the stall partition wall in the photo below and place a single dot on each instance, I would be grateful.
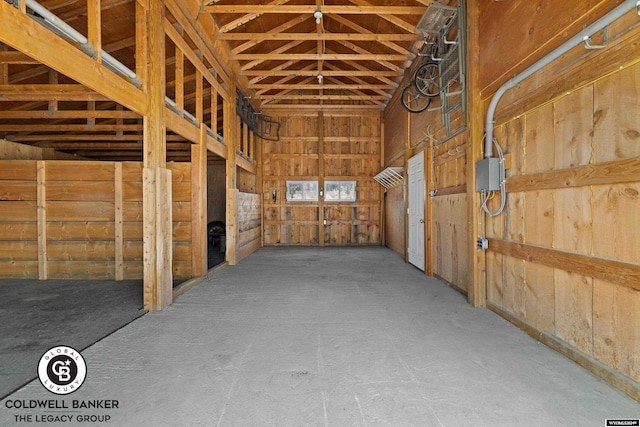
(323, 146)
(83, 219)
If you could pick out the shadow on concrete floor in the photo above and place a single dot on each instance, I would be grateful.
(37, 315)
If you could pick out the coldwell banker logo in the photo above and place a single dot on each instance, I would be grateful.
(62, 370)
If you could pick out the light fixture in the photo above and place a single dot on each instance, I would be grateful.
(318, 15)
(320, 77)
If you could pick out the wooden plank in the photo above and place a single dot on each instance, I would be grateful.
(572, 220)
(573, 309)
(586, 361)
(80, 211)
(624, 274)
(81, 251)
(68, 60)
(19, 250)
(18, 190)
(18, 231)
(231, 252)
(573, 129)
(539, 140)
(616, 124)
(614, 172)
(616, 320)
(79, 170)
(81, 270)
(79, 190)
(22, 170)
(198, 198)
(94, 27)
(42, 216)
(615, 231)
(19, 211)
(118, 223)
(80, 230)
(18, 269)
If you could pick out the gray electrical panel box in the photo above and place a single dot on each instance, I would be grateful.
(488, 174)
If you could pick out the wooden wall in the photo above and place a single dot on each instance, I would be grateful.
(563, 259)
(83, 219)
(323, 146)
(565, 256)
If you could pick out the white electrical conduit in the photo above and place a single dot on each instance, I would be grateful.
(601, 23)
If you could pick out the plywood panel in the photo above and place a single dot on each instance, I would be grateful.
(495, 278)
(616, 327)
(539, 218)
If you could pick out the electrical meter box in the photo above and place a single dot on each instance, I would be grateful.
(488, 174)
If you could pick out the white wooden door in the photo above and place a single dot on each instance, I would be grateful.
(416, 202)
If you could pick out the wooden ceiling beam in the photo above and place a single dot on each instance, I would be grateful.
(314, 72)
(410, 28)
(326, 97)
(314, 57)
(92, 137)
(265, 36)
(250, 16)
(280, 50)
(48, 92)
(364, 31)
(15, 57)
(68, 114)
(310, 9)
(69, 128)
(339, 86)
(369, 36)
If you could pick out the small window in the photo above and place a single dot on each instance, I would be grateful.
(340, 191)
(302, 191)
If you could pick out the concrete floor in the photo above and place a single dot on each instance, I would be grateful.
(328, 337)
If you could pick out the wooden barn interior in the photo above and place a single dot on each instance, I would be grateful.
(491, 144)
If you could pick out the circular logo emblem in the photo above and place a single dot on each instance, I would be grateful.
(62, 370)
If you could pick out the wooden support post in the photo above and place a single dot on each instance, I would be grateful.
(199, 97)
(199, 205)
(230, 125)
(94, 25)
(214, 110)
(428, 215)
(231, 253)
(53, 104)
(4, 67)
(179, 79)
(157, 209)
(477, 289)
(321, 217)
(43, 273)
(119, 224)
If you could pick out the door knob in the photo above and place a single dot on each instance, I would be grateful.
(422, 221)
